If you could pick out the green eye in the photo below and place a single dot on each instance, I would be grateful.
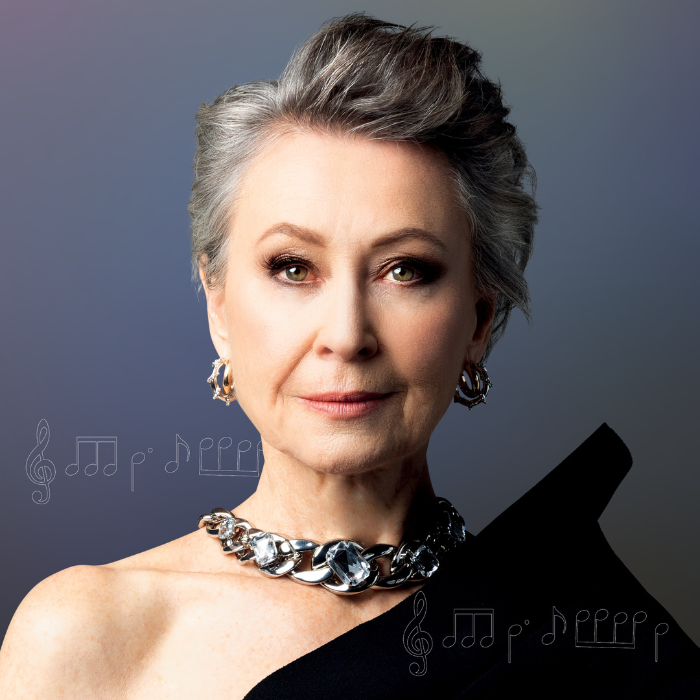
(296, 273)
(402, 274)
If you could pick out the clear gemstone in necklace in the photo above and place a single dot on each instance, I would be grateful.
(226, 528)
(459, 531)
(264, 548)
(346, 560)
(425, 562)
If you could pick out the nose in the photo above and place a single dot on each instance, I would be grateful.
(345, 329)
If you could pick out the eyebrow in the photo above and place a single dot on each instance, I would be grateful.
(310, 236)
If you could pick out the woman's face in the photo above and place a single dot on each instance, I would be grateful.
(349, 270)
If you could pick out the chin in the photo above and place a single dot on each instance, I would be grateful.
(345, 456)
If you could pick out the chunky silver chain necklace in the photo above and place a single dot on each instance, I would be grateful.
(344, 567)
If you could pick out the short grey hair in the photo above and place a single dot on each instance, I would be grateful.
(359, 75)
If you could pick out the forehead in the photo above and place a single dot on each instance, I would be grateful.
(346, 185)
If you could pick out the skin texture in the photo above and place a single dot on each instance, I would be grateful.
(344, 311)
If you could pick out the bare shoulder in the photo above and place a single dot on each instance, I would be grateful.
(111, 631)
(83, 631)
(190, 553)
(61, 620)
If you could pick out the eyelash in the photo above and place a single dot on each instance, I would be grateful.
(427, 272)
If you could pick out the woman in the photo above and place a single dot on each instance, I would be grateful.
(360, 229)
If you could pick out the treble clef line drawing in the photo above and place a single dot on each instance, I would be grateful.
(41, 471)
(417, 641)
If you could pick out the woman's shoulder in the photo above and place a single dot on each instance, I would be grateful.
(82, 629)
(67, 617)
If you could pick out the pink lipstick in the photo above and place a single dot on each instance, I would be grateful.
(353, 404)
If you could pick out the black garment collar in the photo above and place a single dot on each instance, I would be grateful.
(544, 554)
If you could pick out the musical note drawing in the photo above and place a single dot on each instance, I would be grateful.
(619, 619)
(41, 471)
(553, 633)
(417, 641)
(240, 450)
(511, 634)
(658, 634)
(141, 460)
(473, 613)
(89, 471)
(178, 441)
(205, 444)
(258, 453)
(224, 444)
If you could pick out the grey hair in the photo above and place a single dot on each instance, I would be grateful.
(359, 75)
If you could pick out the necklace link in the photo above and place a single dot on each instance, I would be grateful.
(343, 567)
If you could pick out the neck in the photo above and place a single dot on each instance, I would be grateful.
(384, 505)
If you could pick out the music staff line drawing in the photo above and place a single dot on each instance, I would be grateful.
(98, 454)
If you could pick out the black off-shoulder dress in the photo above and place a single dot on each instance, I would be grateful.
(536, 604)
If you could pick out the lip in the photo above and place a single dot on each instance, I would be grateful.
(344, 397)
(353, 404)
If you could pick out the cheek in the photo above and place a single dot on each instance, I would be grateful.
(266, 338)
(434, 341)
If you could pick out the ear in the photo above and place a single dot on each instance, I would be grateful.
(485, 313)
(216, 313)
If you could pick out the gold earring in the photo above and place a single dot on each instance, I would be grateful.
(227, 393)
(480, 385)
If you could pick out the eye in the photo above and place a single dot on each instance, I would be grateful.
(287, 268)
(402, 273)
(295, 273)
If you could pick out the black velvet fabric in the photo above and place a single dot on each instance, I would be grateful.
(543, 560)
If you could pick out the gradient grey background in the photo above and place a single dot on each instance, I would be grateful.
(102, 333)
